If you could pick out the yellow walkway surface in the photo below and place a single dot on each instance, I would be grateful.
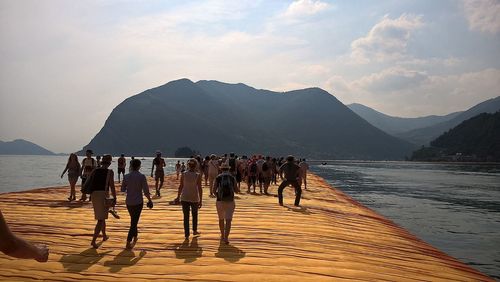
(330, 238)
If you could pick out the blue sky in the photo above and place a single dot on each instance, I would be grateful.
(66, 64)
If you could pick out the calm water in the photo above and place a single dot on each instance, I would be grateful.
(456, 208)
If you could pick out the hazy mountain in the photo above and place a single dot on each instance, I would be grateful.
(22, 147)
(423, 136)
(215, 117)
(394, 125)
(477, 138)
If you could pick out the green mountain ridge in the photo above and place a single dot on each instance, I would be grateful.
(216, 117)
(423, 136)
(475, 139)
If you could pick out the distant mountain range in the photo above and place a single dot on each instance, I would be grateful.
(477, 138)
(423, 136)
(422, 130)
(22, 147)
(396, 125)
(216, 117)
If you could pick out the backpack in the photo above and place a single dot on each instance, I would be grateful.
(265, 167)
(225, 186)
(253, 168)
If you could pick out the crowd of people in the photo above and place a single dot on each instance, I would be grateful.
(223, 175)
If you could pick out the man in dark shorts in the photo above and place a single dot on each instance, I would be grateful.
(291, 174)
(159, 175)
(122, 163)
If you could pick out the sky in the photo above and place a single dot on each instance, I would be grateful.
(64, 65)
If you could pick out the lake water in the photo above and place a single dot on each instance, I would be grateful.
(454, 207)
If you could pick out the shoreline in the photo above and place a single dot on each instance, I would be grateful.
(330, 237)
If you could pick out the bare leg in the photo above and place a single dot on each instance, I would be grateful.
(227, 231)
(103, 229)
(97, 230)
(221, 228)
(156, 186)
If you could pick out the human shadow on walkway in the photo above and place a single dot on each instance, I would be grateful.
(300, 209)
(188, 251)
(67, 204)
(82, 261)
(125, 258)
(229, 252)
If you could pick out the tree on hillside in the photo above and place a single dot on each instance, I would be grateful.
(185, 152)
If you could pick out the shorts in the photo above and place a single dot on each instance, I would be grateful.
(266, 180)
(99, 204)
(73, 176)
(225, 210)
(252, 179)
(121, 170)
(159, 175)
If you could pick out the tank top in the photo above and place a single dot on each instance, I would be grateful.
(99, 180)
(189, 189)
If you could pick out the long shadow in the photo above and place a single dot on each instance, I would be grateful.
(82, 261)
(188, 251)
(125, 258)
(300, 209)
(68, 204)
(229, 253)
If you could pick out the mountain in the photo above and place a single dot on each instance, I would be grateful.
(216, 117)
(394, 125)
(477, 138)
(423, 136)
(22, 147)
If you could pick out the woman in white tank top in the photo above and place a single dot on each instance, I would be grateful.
(190, 195)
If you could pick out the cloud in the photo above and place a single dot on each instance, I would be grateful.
(393, 79)
(403, 92)
(301, 8)
(483, 15)
(387, 40)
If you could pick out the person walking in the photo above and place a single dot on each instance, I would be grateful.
(178, 169)
(213, 171)
(88, 165)
(224, 187)
(122, 164)
(191, 196)
(267, 172)
(135, 185)
(159, 175)
(290, 170)
(73, 169)
(99, 184)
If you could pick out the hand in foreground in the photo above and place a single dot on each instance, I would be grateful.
(43, 253)
(199, 205)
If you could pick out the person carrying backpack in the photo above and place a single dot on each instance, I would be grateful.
(224, 188)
